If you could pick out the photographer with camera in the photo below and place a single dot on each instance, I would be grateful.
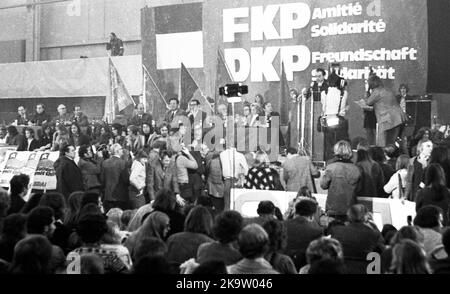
(185, 162)
(90, 166)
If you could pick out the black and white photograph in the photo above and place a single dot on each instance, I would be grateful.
(224, 137)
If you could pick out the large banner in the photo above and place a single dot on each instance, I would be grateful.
(257, 36)
(37, 165)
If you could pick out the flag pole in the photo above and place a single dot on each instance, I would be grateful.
(118, 75)
(144, 91)
(154, 83)
(201, 92)
(225, 63)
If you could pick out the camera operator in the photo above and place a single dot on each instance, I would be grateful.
(185, 162)
(90, 166)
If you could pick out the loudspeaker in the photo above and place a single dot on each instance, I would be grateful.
(419, 112)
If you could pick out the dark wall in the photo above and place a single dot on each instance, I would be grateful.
(439, 45)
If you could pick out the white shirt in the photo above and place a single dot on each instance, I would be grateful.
(29, 142)
(331, 101)
(392, 186)
(3, 141)
(137, 176)
(240, 163)
(403, 103)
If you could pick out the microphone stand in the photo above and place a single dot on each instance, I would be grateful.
(301, 120)
(233, 101)
(311, 125)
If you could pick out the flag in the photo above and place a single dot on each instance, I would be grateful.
(284, 98)
(119, 93)
(190, 90)
(179, 36)
(153, 96)
(223, 77)
(110, 113)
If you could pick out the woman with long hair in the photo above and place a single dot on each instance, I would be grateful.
(409, 258)
(439, 155)
(14, 138)
(156, 224)
(32, 255)
(60, 137)
(46, 137)
(397, 183)
(116, 135)
(77, 138)
(277, 244)
(197, 230)
(73, 209)
(259, 99)
(406, 232)
(372, 175)
(435, 192)
(422, 135)
(102, 134)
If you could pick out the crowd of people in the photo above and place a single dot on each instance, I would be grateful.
(52, 235)
(136, 199)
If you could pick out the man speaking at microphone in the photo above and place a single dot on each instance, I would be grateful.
(319, 85)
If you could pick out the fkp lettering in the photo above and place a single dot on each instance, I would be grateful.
(280, 22)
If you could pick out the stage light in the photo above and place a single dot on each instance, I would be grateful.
(233, 90)
(332, 121)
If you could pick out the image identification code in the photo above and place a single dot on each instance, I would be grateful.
(245, 283)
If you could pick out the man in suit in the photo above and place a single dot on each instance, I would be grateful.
(30, 143)
(141, 117)
(390, 116)
(80, 118)
(22, 117)
(162, 174)
(174, 111)
(269, 113)
(301, 230)
(269, 116)
(403, 96)
(40, 117)
(68, 175)
(196, 115)
(63, 117)
(115, 178)
(358, 238)
(319, 85)
(401, 99)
